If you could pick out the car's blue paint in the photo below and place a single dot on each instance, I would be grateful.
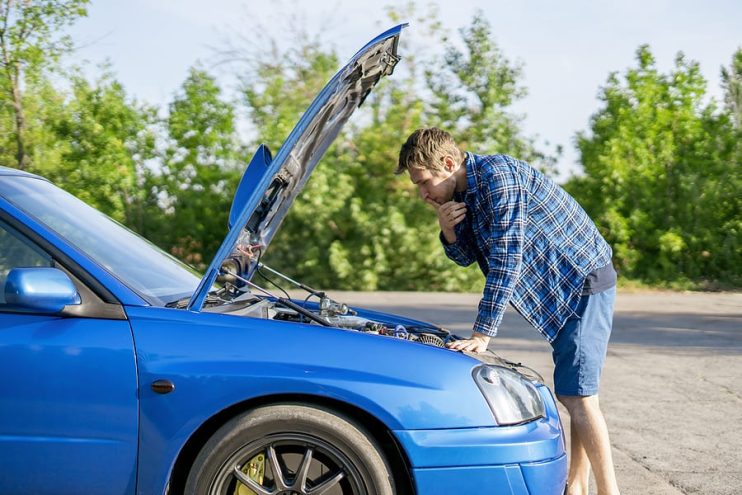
(78, 414)
(255, 170)
(224, 360)
(538, 478)
(14, 171)
(68, 405)
(535, 441)
(547, 477)
(40, 289)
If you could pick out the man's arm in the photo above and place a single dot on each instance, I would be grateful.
(504, 201)
(456, 234)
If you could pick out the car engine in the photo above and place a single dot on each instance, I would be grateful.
(328, 313)
(246, 301)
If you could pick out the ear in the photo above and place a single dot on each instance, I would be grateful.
(449, 163)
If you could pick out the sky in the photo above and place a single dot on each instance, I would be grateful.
(567, 48)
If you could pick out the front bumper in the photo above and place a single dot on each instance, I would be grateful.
(528, 459)
(536, 478)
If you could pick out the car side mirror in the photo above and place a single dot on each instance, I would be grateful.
(40, 289)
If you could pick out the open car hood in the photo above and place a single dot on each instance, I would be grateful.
(269, 186)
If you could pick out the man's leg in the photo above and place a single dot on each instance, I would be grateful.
(579, 353)
(591, 446)
(579, 464)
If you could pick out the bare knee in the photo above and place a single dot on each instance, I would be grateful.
(578, 405)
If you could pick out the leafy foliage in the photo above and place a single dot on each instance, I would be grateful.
(199, 167)
(732, 83)
(102, 139)
(662, 162)
(357, 226)
(472, 92)
(30, 44)
(662, 176)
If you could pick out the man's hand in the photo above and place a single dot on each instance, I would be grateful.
(449, 214)
(477, 343)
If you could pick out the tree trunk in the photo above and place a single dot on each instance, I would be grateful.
(20, 122)
(13, 72)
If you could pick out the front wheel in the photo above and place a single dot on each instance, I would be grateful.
(290, 449)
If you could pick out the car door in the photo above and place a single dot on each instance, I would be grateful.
(68, 388)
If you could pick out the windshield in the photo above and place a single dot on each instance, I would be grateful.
(155, 275)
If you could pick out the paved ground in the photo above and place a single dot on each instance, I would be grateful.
(671, 388)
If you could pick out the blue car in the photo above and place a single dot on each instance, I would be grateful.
(124, 371)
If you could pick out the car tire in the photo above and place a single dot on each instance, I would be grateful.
(313, 450)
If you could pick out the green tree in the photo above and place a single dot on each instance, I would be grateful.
(731, 80)
(473, 93)
(30, 43)
(657, 165)
(43, 105)
(102, 139)
(190, 194)
(279, 90)
(356, 226)
(729, 180)
(88, 137)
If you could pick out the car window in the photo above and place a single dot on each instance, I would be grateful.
(155, 275)
(17, 251)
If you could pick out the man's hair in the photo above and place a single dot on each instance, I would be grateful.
(425, 148)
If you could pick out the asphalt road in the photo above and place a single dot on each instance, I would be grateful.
(671, 389)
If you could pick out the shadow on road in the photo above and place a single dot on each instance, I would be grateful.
(717, 334)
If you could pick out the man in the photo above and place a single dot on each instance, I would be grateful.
(540, 252)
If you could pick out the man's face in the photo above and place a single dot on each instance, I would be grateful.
(436, 186)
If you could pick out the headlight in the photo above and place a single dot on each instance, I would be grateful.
(512, 398)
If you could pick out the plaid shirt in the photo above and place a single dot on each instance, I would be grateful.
(532, 240)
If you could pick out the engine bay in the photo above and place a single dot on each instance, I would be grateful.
(241, 297)
(245, 298)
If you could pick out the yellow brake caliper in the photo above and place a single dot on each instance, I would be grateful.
(255, 470)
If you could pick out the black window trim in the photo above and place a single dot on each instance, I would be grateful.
(97, 300)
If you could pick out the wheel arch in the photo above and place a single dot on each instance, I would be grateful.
(392, 450)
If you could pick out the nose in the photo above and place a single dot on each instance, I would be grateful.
(423, 192)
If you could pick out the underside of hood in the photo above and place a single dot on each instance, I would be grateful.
(269, 186)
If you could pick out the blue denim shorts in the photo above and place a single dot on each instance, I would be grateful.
(580, 346)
